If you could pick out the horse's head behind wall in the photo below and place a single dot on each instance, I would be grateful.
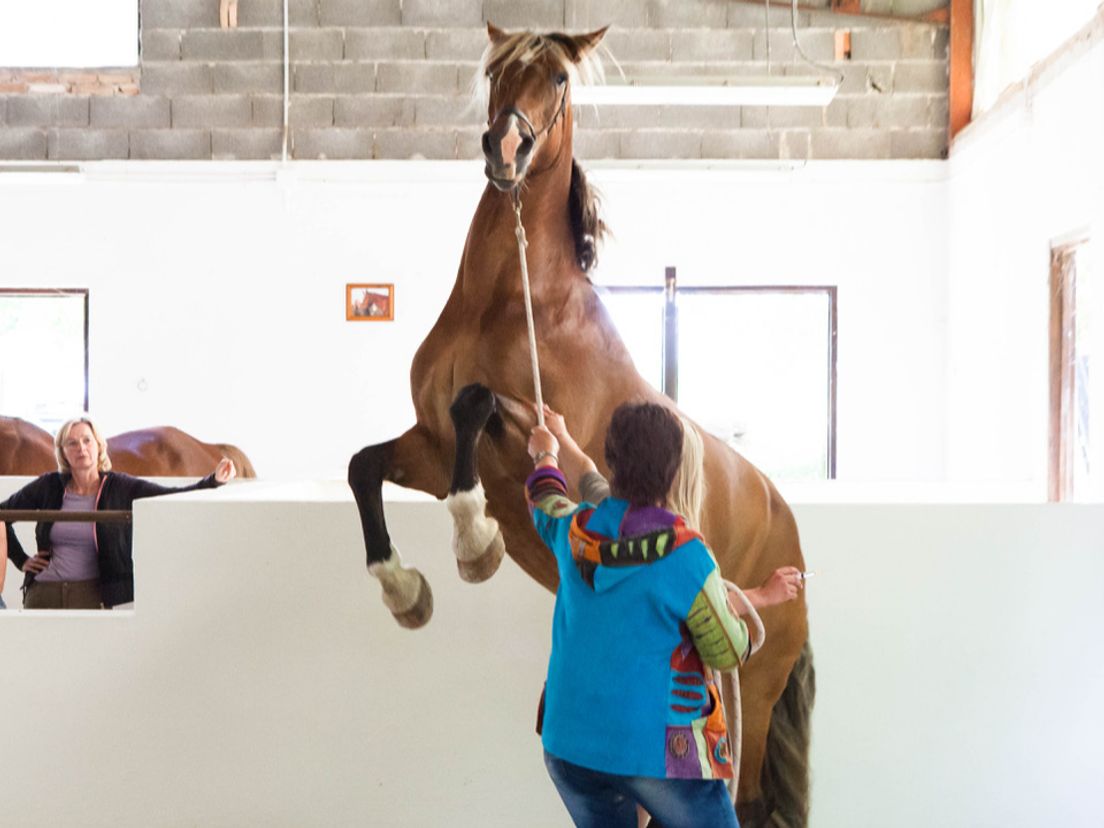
(527, 79)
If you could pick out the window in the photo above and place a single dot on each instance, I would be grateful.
(44, 348)
(68, 33)
(1076, 390)
(753, 365)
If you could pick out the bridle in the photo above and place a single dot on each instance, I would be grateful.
(531, 132)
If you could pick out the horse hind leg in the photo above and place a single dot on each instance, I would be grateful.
(407, 461)
(476, 540)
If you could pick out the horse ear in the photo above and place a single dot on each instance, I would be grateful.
(495, 34)
(586, 42)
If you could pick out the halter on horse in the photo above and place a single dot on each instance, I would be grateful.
(471, 377)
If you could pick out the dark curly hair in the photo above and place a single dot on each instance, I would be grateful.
(643, 449)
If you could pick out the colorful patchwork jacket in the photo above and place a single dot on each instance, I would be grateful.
(640, 612)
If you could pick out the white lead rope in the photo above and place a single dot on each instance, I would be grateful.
(735, 721)
(519, 231)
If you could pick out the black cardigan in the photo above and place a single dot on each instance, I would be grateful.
(113, 540)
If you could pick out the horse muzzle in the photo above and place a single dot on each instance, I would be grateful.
(507, 149)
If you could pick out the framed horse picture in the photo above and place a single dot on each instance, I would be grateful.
(369, 303)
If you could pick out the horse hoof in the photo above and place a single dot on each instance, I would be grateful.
(479, 569)
(421, 610)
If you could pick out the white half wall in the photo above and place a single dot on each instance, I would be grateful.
(260, 681)
(217, 290)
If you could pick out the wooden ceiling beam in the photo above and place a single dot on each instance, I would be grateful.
(960, 98)
(939, 16)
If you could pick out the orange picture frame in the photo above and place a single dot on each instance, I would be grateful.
(369, 302)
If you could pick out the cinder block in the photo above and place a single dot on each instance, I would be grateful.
(212, 111)
(795, 144)
(417, 77)
(860, 78)
(265, 78)
(921, 76)
(586, 15)
(638, 44)
(355, 78)
(179, 14)
(711, 45)
(331, 143)
(818, 45)
(3, 110)
(592, 144)
(268, 111)
(47, 110)
(850, 143)
(170, 143)
(918, 41)
(941, 43)
(452, 110)
(360, 12)
(918, 143)
(456, 44)
(938, 115)
(680, 14)
(657, 143)
(875, 44)
(441, 13)
(22, 144)
(741, 143)
(385, 44)
(138, 112)
(427, 144)
(270, 13)
(469, 146)
(311, 111)
(754, 117)
(314, 78)
(885, 111)
(618, 117)
(534, 15)
(374, 111)
(176, 78)
(85, 144)
(835, 114)
(246, 144)
(747, 16)
(232, 44)
(317, 44)
(160, 44)
(788, 117)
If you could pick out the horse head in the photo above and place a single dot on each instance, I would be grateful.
(527, 80)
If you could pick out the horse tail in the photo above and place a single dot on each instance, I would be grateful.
(785, 777)
(586, 225)
(244, 466)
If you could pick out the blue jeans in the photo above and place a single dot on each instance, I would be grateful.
(605, 800)
(2, 604)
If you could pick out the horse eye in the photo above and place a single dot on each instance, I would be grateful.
(561, 79)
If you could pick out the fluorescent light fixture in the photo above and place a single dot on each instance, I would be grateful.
(709, 90)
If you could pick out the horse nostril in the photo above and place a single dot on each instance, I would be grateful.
(487, 143)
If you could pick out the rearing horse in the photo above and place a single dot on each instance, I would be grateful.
(471, 377)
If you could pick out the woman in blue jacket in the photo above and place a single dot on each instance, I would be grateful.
(630, 713)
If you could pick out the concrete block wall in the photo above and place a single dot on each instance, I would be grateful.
(391, 79)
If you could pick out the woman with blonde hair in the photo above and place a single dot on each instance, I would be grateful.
(83, 565)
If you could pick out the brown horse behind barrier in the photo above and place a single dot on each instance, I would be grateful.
(163, 451)
(472, 376)
(25, 449)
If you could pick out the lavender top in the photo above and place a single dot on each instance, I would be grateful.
(73, 545)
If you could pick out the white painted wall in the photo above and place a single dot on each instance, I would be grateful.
(221, 290)
(1028, 174)
(75, 33)
(259, 680)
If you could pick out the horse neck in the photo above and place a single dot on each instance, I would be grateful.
(492, 250)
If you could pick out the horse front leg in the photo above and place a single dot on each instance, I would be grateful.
(476, 540)
(412, 461)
